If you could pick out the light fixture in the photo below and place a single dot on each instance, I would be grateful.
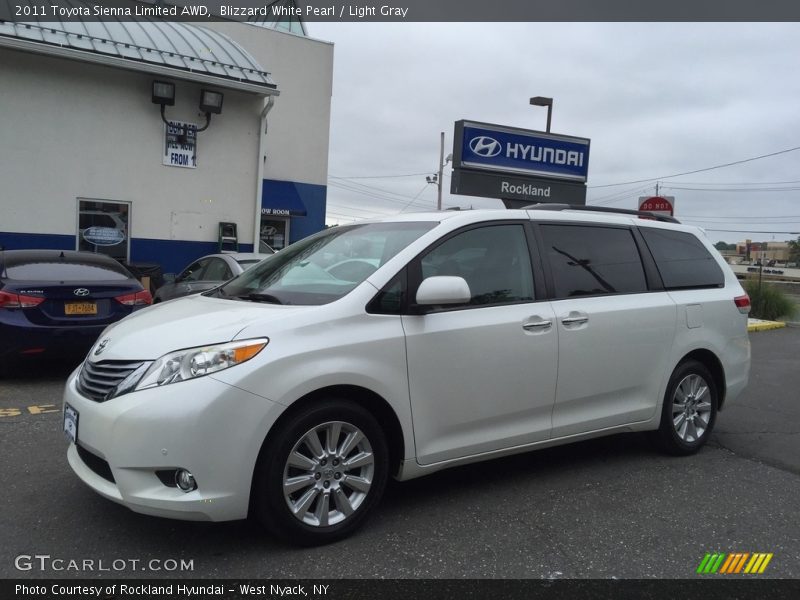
(210, 102)
(544, 101)
(163, 93)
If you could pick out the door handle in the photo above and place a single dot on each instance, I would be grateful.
(574, 320)
(537, 325)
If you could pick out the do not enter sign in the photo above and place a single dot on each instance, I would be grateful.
(660, 205)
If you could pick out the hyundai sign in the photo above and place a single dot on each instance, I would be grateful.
(503, 149)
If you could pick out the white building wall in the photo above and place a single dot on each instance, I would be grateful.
(299, 124)
(74, 130)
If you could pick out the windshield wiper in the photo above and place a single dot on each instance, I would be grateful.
(260, 297)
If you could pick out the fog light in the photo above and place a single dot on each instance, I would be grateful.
(185, 480)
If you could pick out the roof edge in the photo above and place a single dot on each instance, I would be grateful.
(134, 65)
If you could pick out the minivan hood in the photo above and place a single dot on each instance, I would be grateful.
(185, 323)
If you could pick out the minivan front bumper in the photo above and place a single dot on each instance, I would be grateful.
(210, 428)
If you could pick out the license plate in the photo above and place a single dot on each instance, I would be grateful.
(80, 308)
(71, 424)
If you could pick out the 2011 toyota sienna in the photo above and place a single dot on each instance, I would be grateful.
(400, 347)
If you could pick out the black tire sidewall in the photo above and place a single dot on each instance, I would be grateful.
(270, 505)
(667, 436)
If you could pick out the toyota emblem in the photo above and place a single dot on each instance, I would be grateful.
(81, 292)
(101, 346)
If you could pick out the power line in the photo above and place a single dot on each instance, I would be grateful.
(730, 164)
(382, 176)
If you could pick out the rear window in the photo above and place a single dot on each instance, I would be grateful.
(71, 269)
(683, 261)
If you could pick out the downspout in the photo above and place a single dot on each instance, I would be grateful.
(262, 158)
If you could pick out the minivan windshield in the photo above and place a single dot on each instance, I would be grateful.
(324, 267)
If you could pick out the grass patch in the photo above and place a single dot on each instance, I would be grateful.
(768, 301)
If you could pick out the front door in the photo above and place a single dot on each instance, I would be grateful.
(482, 376)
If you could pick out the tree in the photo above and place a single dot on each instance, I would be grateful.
(723, 246)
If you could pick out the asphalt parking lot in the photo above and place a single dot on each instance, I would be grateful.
(608, 508)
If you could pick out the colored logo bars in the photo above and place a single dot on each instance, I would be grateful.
(736, 562)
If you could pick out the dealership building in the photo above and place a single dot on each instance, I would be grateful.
(159, 141)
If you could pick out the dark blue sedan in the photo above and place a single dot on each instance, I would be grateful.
(56, 303)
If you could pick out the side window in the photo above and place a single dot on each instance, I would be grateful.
(389, 300)
(217, 270)
(494, 261)
(682, 259)
(194, 271)
(588, 260)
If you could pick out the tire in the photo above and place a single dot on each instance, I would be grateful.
(332, 488)
(689, 411)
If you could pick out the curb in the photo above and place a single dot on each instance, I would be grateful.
(759, 325)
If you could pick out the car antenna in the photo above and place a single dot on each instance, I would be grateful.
(61, 255)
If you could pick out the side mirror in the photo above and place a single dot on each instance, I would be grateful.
(169, 277)
(443, 289)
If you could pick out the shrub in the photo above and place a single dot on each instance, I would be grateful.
(768, 301)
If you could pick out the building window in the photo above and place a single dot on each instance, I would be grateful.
(103, 227)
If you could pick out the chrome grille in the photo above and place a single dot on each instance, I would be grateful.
(96, 380)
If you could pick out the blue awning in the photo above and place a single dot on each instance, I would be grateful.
(282, 198)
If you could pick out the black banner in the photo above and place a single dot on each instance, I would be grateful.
(720, 587)
(403, 10)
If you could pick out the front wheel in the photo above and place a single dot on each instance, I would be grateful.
(322, 473)
(689, 411)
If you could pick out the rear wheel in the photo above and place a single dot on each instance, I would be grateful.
(322, 473)
(689, 411)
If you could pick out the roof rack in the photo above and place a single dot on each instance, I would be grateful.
(606, 209)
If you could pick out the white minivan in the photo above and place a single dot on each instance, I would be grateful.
(402, 346)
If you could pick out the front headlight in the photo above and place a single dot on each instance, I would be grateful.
(197, 362)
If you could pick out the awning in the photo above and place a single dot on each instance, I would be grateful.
(282, 198)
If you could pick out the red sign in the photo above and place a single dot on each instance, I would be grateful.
(658, 204)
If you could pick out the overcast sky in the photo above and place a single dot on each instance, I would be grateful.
(655, 99)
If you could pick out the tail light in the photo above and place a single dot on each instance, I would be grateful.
(142, 298)
(11, 300)
(743, 303)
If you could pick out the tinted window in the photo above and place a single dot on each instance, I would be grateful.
(682, 259)
(589, 260)
(58, 270)
(494, 261)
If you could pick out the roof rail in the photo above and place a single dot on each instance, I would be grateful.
(606, 209)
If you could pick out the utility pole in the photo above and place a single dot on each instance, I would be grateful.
(441, 172)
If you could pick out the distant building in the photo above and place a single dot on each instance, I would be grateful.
(763, 251)
(87, 162)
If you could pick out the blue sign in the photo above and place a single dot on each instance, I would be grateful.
(523, 152)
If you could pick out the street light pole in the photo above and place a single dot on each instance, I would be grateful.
(544, 101)
(441, 172)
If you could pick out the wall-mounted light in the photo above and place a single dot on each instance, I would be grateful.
(210, 101)
(163, 93)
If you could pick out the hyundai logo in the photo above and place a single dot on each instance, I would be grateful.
(485, 146)
(81, 292)
(101, 346)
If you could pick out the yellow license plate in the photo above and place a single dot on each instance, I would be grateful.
(80, 308)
